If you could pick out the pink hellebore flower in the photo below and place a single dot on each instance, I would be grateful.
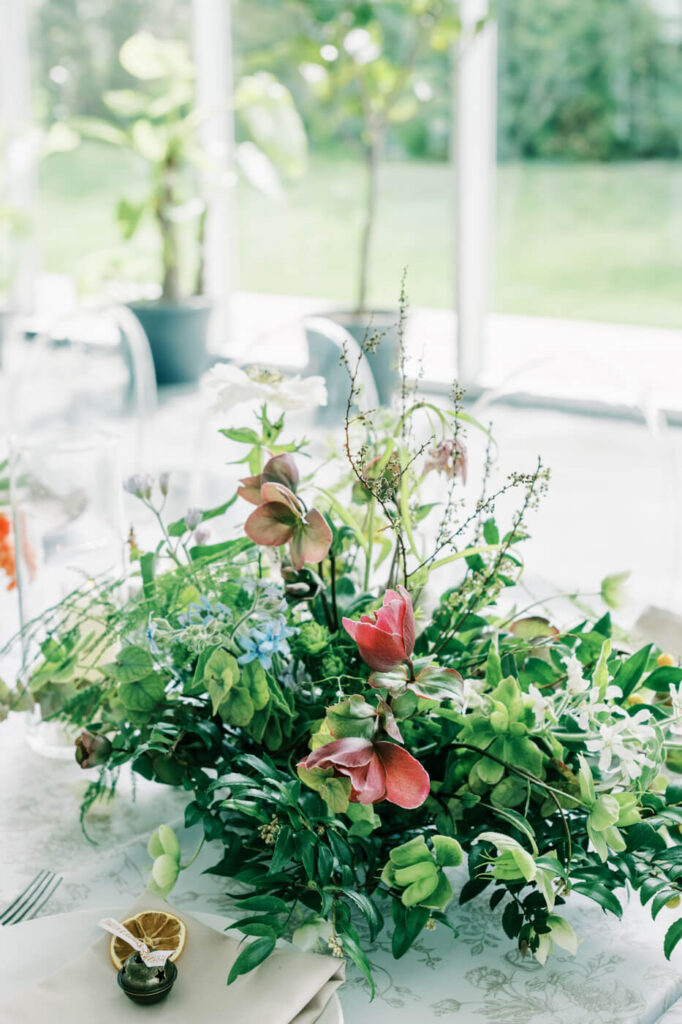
(385, 638)
(284, 519)
(377, 771)
(448, 457)
(281, 469)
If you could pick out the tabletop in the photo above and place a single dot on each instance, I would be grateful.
(619, 975)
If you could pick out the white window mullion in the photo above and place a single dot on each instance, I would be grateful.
(474, 159)
(19, 141)
(212, 32)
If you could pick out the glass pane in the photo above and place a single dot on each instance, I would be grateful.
(589, 190)
(370, 82)
(75, 47)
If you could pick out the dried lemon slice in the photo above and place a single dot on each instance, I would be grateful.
(158, 930)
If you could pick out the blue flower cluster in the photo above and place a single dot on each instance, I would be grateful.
(264, 641)
(203, 612)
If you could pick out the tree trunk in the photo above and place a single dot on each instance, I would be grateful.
(170, 287)
(372, 156)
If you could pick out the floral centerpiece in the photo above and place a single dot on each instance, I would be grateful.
(354, 706)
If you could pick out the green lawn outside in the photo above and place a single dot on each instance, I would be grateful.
(590, 241)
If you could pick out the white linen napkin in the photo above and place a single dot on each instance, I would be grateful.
(288, 988)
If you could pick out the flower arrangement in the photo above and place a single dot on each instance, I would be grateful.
(355, 706)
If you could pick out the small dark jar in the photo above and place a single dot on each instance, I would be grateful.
(145, 984)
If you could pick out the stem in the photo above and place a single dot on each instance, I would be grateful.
(194, 855)
(370, 544)
(335, 611)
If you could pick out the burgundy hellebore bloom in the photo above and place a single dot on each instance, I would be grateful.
(281, 469)
(284, 519)
(377, 771)
(385, 638)
(92, 749)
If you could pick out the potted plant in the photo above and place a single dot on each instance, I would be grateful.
(366, 58)
(158, 122)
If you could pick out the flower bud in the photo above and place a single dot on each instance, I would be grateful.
(192, 518)
(140, 485)
(164, 479)
(92, 749)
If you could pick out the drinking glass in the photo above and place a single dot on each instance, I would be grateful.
(66, 503)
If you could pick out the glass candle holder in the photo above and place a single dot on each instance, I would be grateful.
(66, 505)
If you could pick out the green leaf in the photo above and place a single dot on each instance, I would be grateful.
(244, 435)
(143, 694)
(598, 892)
(660, 900)
(133, 663)
(221, 673)
(357, 955)
(612, 590)
(630, 672)
(265, 904)
(237, 708)
(147, 565)
(491, 534)
(253, 676)
(435, 683)
(253, 955)
(601, 672)
(407, 925)
(672, 937)
(493, 666)
(368, 910)
(129, 216)
(334, 792)
(662, 678)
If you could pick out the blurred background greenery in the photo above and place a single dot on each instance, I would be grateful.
(589, 184)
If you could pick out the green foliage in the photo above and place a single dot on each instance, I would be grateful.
(545, 750)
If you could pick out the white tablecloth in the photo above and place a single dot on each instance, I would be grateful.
(618, 977)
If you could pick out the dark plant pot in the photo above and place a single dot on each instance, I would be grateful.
(384, 361)
(177, 334)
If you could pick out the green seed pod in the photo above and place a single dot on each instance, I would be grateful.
(165, 872)
(411, 852)
(449, 853)
(420, 890)
(412, 873)
(169, 841)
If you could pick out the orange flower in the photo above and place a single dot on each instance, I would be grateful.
(7, 559)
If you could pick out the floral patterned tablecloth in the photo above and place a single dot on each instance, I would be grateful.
(618, 977)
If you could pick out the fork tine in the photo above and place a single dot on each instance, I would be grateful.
(29, 901)
(26, 892)
(41, 901)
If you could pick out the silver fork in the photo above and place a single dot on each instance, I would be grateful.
(33, 898)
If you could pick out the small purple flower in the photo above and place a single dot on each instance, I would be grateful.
(193, 518)
(140, 485)
(164, 479)
(202, 535)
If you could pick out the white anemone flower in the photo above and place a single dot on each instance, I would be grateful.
(541, 705)
(469, 696)
(623, 740)
(575, 681)
(228, 385)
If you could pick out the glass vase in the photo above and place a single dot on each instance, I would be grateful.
(66, 505)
